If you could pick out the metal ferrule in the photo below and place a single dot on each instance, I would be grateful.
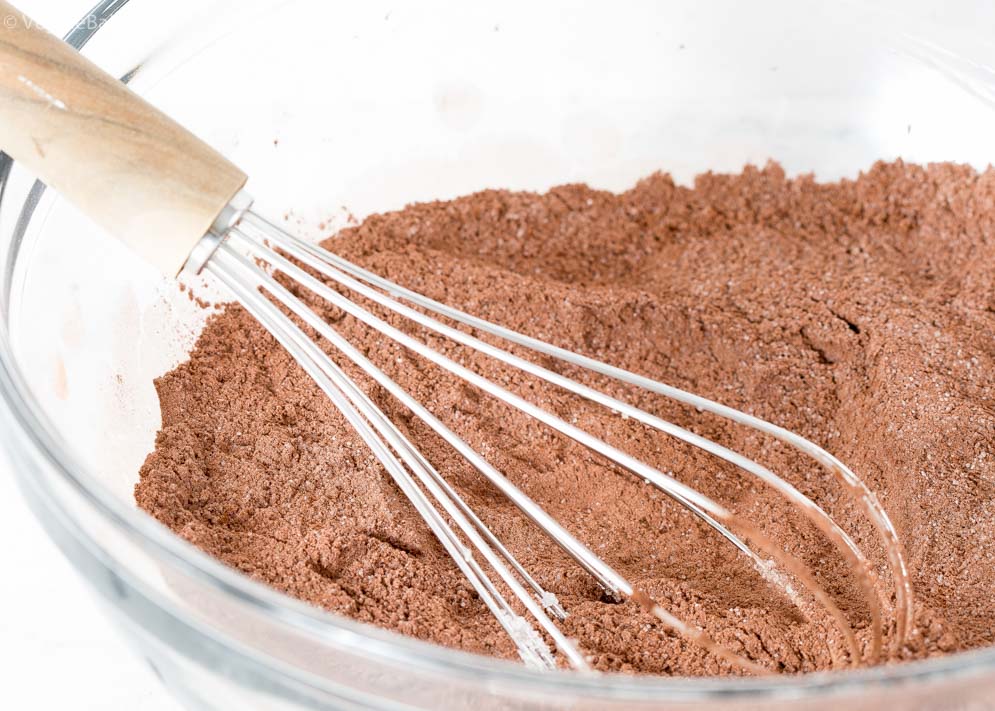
(228, 218)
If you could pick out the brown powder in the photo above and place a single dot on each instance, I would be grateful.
(858, 314)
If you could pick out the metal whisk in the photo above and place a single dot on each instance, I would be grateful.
(62, 113)
(252, 239)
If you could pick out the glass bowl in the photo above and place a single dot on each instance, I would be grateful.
(341, 108)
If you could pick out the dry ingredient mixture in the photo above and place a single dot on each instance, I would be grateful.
(859, 314)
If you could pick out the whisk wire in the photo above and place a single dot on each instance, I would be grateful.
(702, 506)
(414, 474)
(904, 608)
(614, 583)
(514, 626)
(226, 255)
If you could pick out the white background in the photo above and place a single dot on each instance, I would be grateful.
(56, 649)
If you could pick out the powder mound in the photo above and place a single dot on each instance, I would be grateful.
(858, 314)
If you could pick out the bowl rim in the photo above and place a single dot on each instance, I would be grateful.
(40, 434)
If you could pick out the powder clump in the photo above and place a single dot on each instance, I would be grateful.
(858, 314)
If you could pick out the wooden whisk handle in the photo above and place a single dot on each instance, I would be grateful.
(129, 167)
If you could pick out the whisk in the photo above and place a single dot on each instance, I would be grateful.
(176, 201)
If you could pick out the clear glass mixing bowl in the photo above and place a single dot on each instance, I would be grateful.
(339, 107)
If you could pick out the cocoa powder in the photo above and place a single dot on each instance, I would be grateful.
(858, 314)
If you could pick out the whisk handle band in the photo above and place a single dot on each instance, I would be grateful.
(137, 173)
